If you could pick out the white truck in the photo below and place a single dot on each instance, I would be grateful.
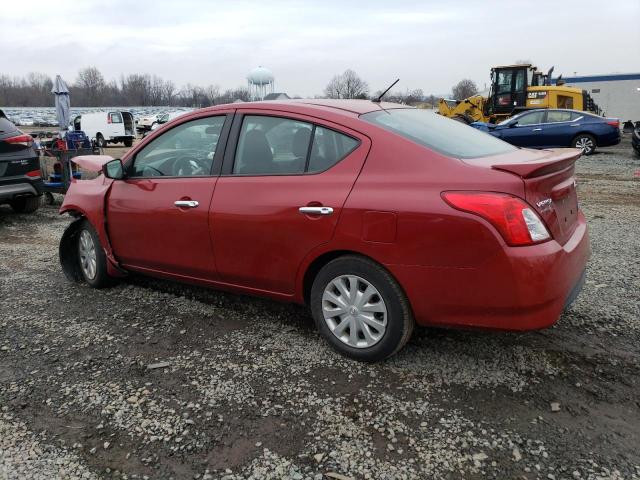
(107, 127)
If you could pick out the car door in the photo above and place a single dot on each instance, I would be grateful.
(285, 180)
(526, 130)
(157, 217)
(560, 128)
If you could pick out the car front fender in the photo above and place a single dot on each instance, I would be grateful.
(87, 199)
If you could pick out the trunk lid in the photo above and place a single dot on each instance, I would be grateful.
(549, 185)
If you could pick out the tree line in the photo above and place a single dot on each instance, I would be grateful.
(90, 89)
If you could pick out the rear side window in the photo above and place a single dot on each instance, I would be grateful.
(329, 147)
(115, 118)
(438, 133)
(284, 146)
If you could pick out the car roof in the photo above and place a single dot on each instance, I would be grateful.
(345, 107)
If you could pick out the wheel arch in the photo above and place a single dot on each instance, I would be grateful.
(585, 132)
(324, 258)
(67, 251)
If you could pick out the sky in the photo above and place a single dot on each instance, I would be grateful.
(428, 44)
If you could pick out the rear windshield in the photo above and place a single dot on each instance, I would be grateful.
(438, 133)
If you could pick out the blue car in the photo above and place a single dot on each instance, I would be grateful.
(548, 128)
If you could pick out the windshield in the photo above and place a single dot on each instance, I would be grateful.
(438, 133)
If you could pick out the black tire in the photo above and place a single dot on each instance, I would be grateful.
(25, 204)
(128, 142)
(399, 316)
(100, 141)
(100, 278)
(587, 140)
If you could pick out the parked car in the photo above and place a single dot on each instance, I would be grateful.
(635, 140)
(548, 128)
(107, 127)
(167, 117)
(20, 177)
(146, 123)
(375, 215)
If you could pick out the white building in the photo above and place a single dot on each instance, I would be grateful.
(618, 95)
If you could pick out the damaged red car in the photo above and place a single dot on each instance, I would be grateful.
(375, 215)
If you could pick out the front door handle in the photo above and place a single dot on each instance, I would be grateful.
(575, 125)
(316, 210)
(186, 203)
(536, 130)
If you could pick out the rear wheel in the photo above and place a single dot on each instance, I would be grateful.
(585, 142)
(360, 309)
(91, 257)
(25, 204)
(100, 141)
(128, 142)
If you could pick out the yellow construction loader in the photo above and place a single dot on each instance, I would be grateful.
(515, 88)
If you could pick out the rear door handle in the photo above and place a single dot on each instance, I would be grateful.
(186, 203)
(575, 125)
(536, 130)
(316, 210)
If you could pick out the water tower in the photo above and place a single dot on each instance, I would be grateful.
(260, 83)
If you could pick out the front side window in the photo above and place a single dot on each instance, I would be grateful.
(184, 151)
(283, 146)
(555, 117)
(115, 117)
(532, 118)
(438, 133)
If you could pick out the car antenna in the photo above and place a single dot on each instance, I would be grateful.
(377, 100)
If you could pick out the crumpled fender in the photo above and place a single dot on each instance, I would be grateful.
(87, 198)
(92, 163)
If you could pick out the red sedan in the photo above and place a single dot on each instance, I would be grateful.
(377, 216)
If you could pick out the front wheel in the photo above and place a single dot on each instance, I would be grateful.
(91, 257)
(585, 142)
(360, 309)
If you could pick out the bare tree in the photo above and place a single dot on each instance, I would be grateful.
(91, 83)
(464, 89)
(347, 85)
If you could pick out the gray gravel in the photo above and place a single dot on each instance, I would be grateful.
(156, 380)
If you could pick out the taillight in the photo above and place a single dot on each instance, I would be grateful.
(33, 174)
(516, 221)
(22, 139)
(614, 123)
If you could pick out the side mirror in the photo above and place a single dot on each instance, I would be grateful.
(513, 124)
(113, 169)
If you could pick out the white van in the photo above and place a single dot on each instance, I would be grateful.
(107, 127)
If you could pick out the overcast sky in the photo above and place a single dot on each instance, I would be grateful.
(428, 44)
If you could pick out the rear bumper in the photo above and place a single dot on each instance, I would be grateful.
(525, 288)
(8, 191)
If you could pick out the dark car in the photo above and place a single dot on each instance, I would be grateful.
(20, 177)
(635, 140)
(550, 128)
(376, 215)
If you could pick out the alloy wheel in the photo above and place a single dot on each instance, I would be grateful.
(87, 254)
(585, 144)
(354, 311)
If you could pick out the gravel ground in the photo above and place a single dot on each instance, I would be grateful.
(156, 380)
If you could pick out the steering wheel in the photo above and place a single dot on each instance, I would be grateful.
(188, 166)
